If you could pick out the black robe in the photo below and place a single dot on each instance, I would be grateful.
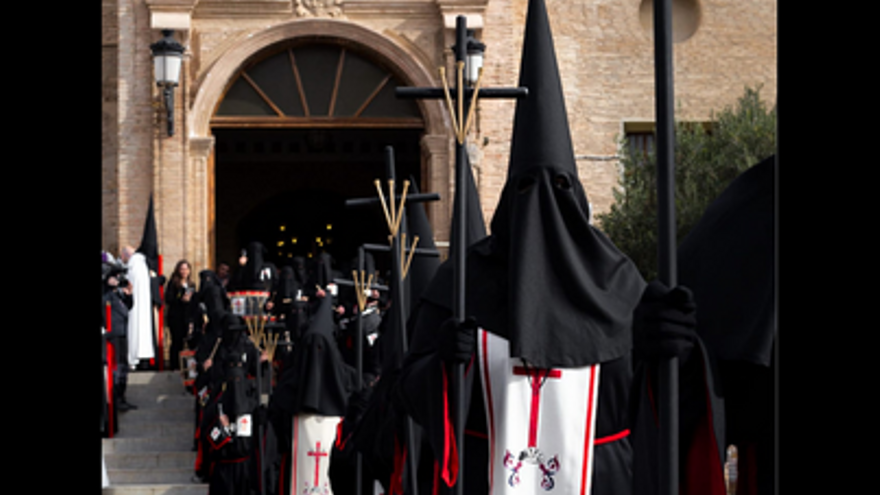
(228, 460)
(314, 380)
(728, 260)
(546, 280)
(422, 379)
(181, 314)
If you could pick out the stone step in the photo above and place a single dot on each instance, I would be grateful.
(157, 429)
(157, 489)
(167, 414)
(179, 475)
(115, 445)
(150, 460)
(154, 378)
(146, 401)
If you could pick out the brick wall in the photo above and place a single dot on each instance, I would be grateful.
(605, 57)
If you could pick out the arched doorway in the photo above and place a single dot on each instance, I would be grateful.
(301, 127)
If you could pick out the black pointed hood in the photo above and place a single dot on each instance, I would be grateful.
(322, 321)
(475, 226)
(541, 135)
(568, 293)
(423, 268)
(728, 262)
(251, 272)
(316, 379)
(286, 286)
(324, 269)
(149, 246)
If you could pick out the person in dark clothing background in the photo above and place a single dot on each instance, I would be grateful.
(227, 431)
(181, 307)
(118, 294)
(253, 272)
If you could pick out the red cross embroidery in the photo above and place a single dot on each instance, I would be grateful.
(536, 378)
(317, 454)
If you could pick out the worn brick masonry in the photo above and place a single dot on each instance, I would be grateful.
(604, 50)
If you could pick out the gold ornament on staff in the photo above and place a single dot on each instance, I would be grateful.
(404, 267)
(257, 323)
(270, 344)
(460, 125)
(394, 214)
(361, 288)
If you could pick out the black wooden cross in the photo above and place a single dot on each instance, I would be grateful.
(465, 101)
(394, 208)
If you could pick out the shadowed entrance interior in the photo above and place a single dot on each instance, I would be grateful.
(287, 189)
(302, 127)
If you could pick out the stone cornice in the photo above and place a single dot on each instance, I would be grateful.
(393, 8)
(243, 8)
(171, 14)
(473, 9)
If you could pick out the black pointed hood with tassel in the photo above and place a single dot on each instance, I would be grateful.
(545, 279)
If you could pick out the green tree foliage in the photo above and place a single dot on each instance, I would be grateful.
(707, 159)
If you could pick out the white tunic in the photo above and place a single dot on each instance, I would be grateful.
(541, 423)
(140, 318)
(313, 438)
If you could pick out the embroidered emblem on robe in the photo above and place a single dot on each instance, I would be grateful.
(541, 423)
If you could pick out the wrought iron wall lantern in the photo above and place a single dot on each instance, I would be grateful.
(167, 60)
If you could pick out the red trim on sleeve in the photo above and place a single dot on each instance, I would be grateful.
(340, 443)
(396, 484)
(450, 450)
(217, 446)
(611, 438)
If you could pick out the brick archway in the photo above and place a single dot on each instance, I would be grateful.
(213, 83)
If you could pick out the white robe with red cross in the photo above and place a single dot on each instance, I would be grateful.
(541, 423)
(313, 438)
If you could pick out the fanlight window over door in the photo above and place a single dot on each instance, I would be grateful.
(312, 86)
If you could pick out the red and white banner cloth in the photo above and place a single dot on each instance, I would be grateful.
(541, 423)
(313, 438)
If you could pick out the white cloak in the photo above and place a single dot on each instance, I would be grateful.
(140, 318)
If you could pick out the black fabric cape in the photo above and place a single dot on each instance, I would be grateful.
(229, 461)
(546, 280)
(380, 433)
(728, 261)
(314, 380)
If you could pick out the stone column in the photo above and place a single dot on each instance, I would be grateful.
(199, 227)
(436, 160)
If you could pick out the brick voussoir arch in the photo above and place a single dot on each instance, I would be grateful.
(213, 83)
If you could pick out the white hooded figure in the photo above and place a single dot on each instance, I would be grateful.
(140, 321)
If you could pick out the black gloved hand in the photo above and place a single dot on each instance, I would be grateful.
(664, 323)
(458, 341)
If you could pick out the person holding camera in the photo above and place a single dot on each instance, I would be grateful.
(117, 294)
(181, 304)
